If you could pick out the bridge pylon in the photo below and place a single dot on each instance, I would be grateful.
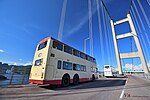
(138, 54)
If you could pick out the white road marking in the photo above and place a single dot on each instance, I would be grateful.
(122, 94)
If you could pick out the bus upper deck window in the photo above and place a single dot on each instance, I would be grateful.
(76, 53)
(82, 55)
(57, 45)
(42, 45)
(94, 60)
(68, 49)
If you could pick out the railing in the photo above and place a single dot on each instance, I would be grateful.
(15, 78)
(147, 76)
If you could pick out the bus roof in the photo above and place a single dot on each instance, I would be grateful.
(62, 43)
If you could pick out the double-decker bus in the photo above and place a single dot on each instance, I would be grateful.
(109, 71)
(57, 63)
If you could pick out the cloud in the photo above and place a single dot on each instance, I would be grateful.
(29, 63)
(81, 22)
(135, 67)
(17, 63)
(2, 51)
(20, 59)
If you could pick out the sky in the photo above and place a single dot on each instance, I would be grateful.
(24, 23)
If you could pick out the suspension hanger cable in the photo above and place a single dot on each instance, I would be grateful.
(100, 31)
(101, 5)
(111, 48)
(128, 12)
(137, 26)
(62, 19)
(122, 60)
(131, 51)
(145, 16)
(105, 33)
(108, 37)
(148, 1)
(146, 49)
(106, 9)
(138, 16)
(90, 27)
(147, 39)
(133, 13)
(141, 23)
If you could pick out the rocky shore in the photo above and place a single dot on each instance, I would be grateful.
(2, 77)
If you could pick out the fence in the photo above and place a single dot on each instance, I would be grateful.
(17, 76)
(147, 76)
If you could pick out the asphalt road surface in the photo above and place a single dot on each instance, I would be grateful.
(136, 88)
(102, 89)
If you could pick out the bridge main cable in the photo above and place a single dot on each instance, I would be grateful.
(106, 9)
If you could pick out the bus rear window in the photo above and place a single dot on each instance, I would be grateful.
(38, 62)
(42, 45)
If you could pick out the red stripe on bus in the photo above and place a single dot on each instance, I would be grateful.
(45, 81)
(44, 40)
(56, 81)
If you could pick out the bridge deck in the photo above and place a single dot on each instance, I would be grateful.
(103, 89)
(137, 88)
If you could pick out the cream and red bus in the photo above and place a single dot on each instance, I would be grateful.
(57, 63)
(109, 71)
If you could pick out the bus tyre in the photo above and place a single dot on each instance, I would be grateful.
(75, 79)
(93, 78)
(65, 80)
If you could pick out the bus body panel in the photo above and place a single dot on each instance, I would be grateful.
(109, 71)
(37, 72)
(53, 75)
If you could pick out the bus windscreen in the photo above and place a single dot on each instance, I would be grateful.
(106, 66)
(42, 45)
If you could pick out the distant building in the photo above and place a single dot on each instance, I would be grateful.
(20, 69)
(0, 67)
(5, 67)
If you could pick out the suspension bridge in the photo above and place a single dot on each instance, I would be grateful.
(124, 87)
(139, 26)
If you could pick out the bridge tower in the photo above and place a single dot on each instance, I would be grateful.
(138, 54)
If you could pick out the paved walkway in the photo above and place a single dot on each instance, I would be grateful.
(136, 88)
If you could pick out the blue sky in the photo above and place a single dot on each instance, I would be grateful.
(23, 23)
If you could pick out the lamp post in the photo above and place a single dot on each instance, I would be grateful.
(85, 44)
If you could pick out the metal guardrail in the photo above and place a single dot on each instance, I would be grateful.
(16, 77)
(147, 76)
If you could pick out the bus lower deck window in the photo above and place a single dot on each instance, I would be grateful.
(67, 65)
(76, 67)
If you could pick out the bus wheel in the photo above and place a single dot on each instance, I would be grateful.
(75, 79)
(93, 77)
(65, 80)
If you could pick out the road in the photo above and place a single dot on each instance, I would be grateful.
(136, 88)
(102, 89)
